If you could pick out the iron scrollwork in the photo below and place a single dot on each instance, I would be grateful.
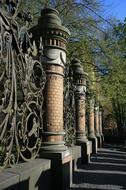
(22, 81)
(69, 108)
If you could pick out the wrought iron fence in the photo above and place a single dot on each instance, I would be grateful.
(69, 107)
(22, 81)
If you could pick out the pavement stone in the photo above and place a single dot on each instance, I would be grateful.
(107, 171)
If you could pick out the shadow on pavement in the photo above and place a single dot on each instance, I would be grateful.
(107, 171)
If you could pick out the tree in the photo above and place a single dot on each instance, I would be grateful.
(94, 42)
(114, 82)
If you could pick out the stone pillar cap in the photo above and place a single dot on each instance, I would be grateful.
(100, 108)
(50, 20)
(77, 67)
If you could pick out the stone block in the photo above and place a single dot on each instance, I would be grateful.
(8, 180)
(86, 149)
(99, 141)
(76, 156)
(94, 145)
(61, 168)
(76, 160)
(85, 152)
(32, 175)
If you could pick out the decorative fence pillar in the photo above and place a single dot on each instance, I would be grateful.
(91, 135)
(80, 85)
(97, 125)
(100, 123)
(55, 37)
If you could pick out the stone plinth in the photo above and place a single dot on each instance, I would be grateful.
(32, 175)
(76, 156)
(61, 169)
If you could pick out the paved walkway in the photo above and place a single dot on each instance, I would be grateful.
(107, 171)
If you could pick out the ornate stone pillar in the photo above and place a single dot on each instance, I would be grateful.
(100, 123)
(97, 125)
(80, 90)
(91, 135)
(54, 37)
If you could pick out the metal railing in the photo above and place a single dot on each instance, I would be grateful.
(22, 81)
(69, 108)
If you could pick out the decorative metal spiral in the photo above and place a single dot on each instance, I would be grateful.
(69, 108)
(22, 81)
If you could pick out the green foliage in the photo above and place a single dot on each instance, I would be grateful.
(114, 83)
(96, 42)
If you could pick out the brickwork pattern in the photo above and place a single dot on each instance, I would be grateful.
(91, 122)
(100, 122)
(80, 114)
(97, 121)
(54, 102)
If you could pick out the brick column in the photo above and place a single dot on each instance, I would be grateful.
(100, 124)
(80, 90)
(97, 125)
(53, 122)
(80, 117)
(55, 37)
(91, 135)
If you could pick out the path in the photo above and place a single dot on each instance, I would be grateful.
(107, 171)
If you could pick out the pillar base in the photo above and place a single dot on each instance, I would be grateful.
(81, 140)
(99, 140)
(85, 151)
(61, 168)
(93, 139)
(53, 147)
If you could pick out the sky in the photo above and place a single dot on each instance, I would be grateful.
(116, 8)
